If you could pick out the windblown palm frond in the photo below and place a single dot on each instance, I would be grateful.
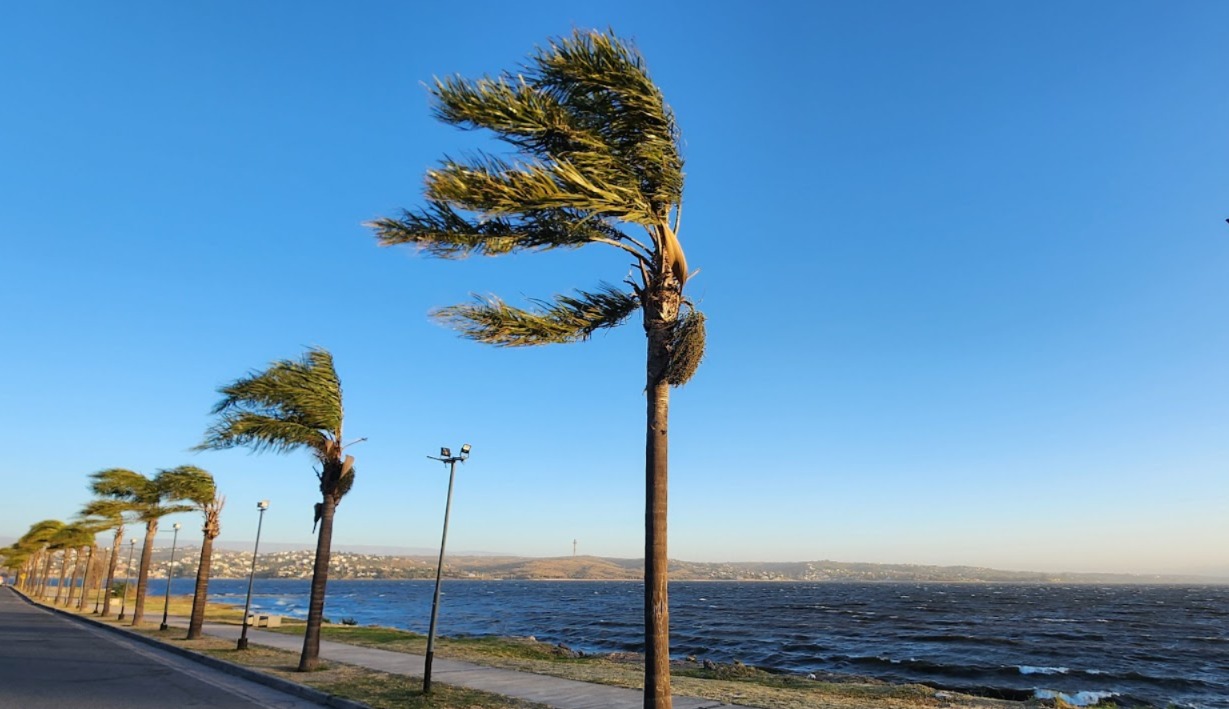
(597, 145)
(292, 404)
(187, 482)
(567, 319)
(72, 535)
(124, 485)
(106, 509)
(41, 532)
(129, 491)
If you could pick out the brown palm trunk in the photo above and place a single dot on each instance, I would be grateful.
(197, 620)
(660, 313)
(85, 578)
(42, 588)
(320, 576)
(147, 553)
(106, 596)
(72, 580)
(59, 586)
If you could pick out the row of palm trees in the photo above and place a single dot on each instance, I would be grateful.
(122, 497)
(293, 404)
(597, 160)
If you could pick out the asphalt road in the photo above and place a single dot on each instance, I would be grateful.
(50, 662)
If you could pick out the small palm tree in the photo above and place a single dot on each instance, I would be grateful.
(147, 500)
(292, 405)
(107, 514)
(72, 537)
(598, 163)
(29, 551)
(39, 539)
(197, 487)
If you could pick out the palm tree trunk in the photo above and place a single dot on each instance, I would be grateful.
(320, 576)
(72, 580)
(661, 311)
(85, 578)
(42, 587)
(202, 589)
(147, 553)
(59, 587)
(106, 596)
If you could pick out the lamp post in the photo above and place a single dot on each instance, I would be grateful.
(170, 571)
(123, 604)
(447, 458)
(247, 605)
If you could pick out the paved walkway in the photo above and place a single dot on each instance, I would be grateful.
(543, 689)
(48, 661)
(552, 691)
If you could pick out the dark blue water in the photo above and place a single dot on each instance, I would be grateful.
(1151, 644)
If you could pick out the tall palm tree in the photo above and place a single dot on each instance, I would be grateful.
(292, 405)
(197, 487)
(108, 514)
(148, 500)
(598, 162)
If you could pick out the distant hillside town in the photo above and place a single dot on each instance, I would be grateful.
(350, 565)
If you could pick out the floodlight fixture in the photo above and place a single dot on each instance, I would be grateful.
(445, 452)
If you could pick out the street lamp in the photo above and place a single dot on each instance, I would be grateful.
(132, 545)
(447, 458)
(170, 571)
(247, 605)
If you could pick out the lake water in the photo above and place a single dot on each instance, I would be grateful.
(1144, 644)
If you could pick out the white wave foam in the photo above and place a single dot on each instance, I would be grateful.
(1079, 699)
(1031, 670)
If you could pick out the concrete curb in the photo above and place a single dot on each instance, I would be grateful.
(282, 685)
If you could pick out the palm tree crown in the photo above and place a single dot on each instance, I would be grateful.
(293, 404)
(599, 152)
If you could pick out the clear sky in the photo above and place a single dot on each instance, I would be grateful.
(965, 264)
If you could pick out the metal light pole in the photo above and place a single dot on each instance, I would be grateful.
(123, 604)
(170, 571)
(247, 605)
(447, 458)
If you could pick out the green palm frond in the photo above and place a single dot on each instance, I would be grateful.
(72, 535)
(490, 186)
(125, 485)
(106, 509)
(596, 145)
(605, 83)
(443, 232)
(40, 532)
(292, 404)
(566, 319)
(187, 482)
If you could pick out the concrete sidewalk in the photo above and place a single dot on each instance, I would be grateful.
(552, 691)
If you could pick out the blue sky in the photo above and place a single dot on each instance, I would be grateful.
(965, 266)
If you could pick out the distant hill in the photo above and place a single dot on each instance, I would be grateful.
(350, 565)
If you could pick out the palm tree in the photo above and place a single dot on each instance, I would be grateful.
(294, 404)
(38, 540)
(148, 500)
(108, 514)
(73, 537)
(196, 486)
(598, 158)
